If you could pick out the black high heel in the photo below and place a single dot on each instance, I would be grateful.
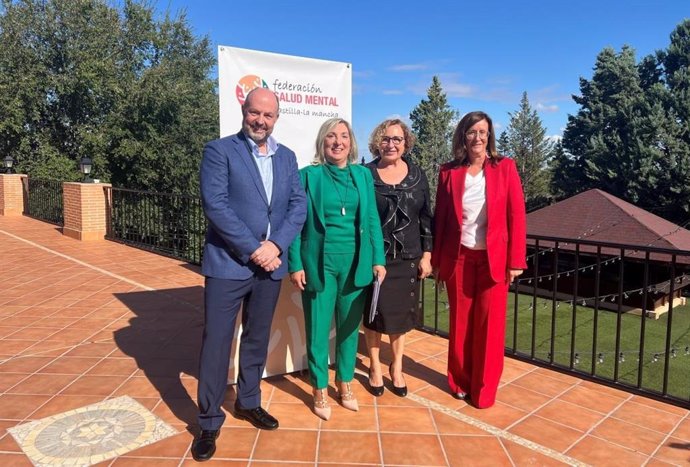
(375, 390)
(398, 391)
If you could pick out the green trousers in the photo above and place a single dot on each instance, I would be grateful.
(339, 296)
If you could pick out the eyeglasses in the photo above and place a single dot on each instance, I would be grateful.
(474, 133)
(396, 140)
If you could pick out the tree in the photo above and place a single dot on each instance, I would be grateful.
(631, 136)
(525, 141)
(675, 61)
(671, 96)
(432, 121)
(81, 78)
(610, 142)
(562, 173)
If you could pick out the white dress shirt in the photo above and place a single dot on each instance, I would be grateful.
(264, 162)
(474, 212)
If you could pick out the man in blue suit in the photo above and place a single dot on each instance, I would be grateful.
(255, 205)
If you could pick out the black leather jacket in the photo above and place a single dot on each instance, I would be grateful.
(405, 212)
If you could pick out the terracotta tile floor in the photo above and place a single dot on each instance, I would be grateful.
(66, 341)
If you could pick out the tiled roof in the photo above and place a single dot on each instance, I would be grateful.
(597, 215)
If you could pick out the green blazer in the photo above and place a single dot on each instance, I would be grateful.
(306, 251)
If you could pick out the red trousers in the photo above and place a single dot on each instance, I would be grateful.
(477, 328)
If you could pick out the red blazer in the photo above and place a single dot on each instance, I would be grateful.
(506, 233)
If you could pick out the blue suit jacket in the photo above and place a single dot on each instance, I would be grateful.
(235, 204)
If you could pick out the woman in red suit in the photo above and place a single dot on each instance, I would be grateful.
(479, 249)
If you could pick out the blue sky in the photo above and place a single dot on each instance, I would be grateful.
(485, 53)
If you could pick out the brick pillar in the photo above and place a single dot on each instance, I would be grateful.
(85, 210)
(12, 199)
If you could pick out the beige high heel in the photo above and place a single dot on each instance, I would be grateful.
(321, 407)
(348, 399)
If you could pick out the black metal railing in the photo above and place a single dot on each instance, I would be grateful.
(434, 308)
(611, 313)
(44, 200)
(170, 224)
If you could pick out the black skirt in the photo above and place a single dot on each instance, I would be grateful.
(398, 305)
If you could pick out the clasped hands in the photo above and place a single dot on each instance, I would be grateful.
(266, 256)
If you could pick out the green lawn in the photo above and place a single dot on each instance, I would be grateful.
(586, 321)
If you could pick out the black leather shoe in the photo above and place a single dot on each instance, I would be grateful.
(398, 391)
(204, 446)
(460, 395)
(375, 390)
(257, 417)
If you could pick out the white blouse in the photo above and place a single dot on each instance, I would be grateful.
(474, 212)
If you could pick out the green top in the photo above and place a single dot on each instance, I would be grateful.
(307, 250)
(340, 200)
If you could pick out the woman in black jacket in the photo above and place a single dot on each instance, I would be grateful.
(403, 202)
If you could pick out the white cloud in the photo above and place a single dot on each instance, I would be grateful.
(459, 89)
(455, 87)
(409, 67)
(404, 118)
(547, 108)
(363, 74)
(392, 92)
(549, 98)
(548, 94)
(500, 80)
(359, 87)
(503, 95)
(451, 85)
(394, 116)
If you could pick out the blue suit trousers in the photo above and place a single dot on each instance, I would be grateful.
(222, 300)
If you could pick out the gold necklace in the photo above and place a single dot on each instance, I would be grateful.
(335, 185)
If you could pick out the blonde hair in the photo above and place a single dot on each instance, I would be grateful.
(328, 125)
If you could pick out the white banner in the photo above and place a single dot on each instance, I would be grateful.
(310, 91)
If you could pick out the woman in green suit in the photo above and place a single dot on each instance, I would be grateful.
(336, 257)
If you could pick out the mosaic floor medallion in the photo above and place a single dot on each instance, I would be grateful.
(90, 434)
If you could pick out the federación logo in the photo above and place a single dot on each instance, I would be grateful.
(246, 84)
